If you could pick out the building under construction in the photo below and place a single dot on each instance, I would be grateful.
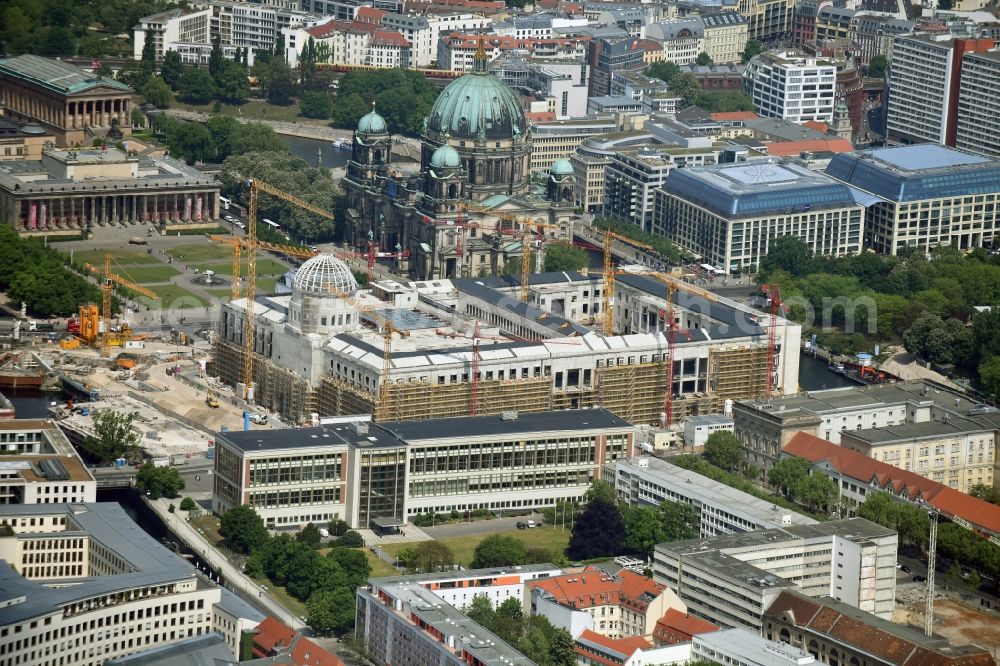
(470, 346)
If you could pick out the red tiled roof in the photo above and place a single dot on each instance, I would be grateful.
(273, 639)
(307, 653)
(271, 634)
(540, 116)
(902, 482)
(650, 45)
(386, 38)
(507, 42)
(795, 148)
(624, 648)
(877, 637)
(676, 627)
(593, 587)
(369, 15)
(327, 29)
(817, 125)
(723, 116)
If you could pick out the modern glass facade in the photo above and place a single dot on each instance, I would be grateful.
(382, 484)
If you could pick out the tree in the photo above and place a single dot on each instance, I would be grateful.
(216, 59)
(565, 257)
(58, 41)
(989, 376)
(704, 60)
(331, 611)
(679, 520)
(348, 110)
(315, 104)
(307, 62)
(309, 535)
(985, 492)
(790, 254)
(255, 138)
(280, 84)
(138, 119)
(722, 449)
(233, 85)
(974, 580)
(498, 550)
(147, 62)
(600, 490)
(432, 556)
(685, 86)
(752, 48)
(816, 491)
(196, 85)
(243, 530)
(643, 529)
(598, 532)
(188, 504)
(877, 67)
(113, 436)
(664, 71)
(351, 539)
(927, 337)
(787, 473)
(337, 527)
(157, 92)
(171, 68)
(193, 144)
(158, 482)
(726, 101)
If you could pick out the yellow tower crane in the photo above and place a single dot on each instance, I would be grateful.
(527, 228)
(107, 285)
(609, 277)
(252, 245)
(238, 246)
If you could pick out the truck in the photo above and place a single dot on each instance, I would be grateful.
(324, 533)
(178, 459)
(161, 462)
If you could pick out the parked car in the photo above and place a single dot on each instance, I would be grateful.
(521, 525)
(919, 579)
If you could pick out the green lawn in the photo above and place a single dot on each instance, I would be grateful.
(266, 285)
(254, 109)
(380, 567)
(172, 296)
(265, 266)
(295, 606)
(209, 524)
(118, 257)
(205, 251)
(553, 539)
(221, 294)
(149, 274)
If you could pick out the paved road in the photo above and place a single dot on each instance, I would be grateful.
(452, 530)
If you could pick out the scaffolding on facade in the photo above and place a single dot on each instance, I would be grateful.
(276, 388)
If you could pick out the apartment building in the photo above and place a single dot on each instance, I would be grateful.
(833, 24)
(924, 195)
(875, 34)
(559, 140)
(887, 422)
(792, 86)
(350, 43)
(723, 510)
(188, 26)
(682, 39)
(81, 584)
(424, 32)
(924, 87)
(729, 214)
(767, 19)
(457, 51)
(615, 605)
(40, 466)
(977, 127)
(361, 472)
(731, 580)
(726, 34)
(836, 632)
(857, 475)
(636, 173)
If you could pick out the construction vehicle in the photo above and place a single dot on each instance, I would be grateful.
(126, 361)
(110, 280)
(211, 400)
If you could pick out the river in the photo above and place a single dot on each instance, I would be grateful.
(306, 149)
(814, 376)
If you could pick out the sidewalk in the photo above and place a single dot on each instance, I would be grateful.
(237, 581)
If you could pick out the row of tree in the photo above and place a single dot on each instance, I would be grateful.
(925, 301)
(686, 86)
(326, 583)
(531, 635)
(403, 97)
(660, 244)
(217, 140)
(37, 275)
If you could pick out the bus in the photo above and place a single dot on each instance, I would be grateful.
(272, 224)
(225, 203)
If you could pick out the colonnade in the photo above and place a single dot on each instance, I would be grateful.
(65, 112)
(82, 212)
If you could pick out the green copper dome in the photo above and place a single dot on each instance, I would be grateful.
(445, 157)
(372, 123)
(561, 167)
(477, 105)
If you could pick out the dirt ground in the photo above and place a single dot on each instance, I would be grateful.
(958, 623)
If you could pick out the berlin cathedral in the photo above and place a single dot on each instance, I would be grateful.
(465, 212)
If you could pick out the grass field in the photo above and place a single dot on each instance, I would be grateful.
(553, 539)
(172, 296)
(379, 566)
(288, 601)
(209, 524)
(197, 252)
(119, 257)
(265, 266)
(148, 274)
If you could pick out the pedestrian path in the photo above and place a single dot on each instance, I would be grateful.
(408, 534)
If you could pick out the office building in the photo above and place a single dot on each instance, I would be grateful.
(858, 475)
(717, 77)
(68, 102)
(590, 162)
(924, 87)
(729, 214)
(636, 173)
(732, 579)
(791, 85)
(765, 427)
(615, 605)
(22, 141)
(726, 34)
(560, 139)
(362, 472)
(607, 55)
(400, 622)
(874, 34)
(40, 466)
(82, 583)
(923, 196)
(837, 632)
(722, 509)
(697, 429)
(977, 127)
(72, 191)
(204, 649)
(739, 646)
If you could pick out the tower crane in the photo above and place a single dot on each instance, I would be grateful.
(774, 295)
(251, 243)
(527, 228)
(609, 276)
(388, 328)
(110, 279)
(240, 243)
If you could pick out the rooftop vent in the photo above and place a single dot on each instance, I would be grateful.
(359, 428)
(508, 415)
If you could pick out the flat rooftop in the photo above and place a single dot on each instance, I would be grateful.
(754, 648)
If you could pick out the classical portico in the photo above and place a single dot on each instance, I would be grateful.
(68, 101)
(76, 190)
